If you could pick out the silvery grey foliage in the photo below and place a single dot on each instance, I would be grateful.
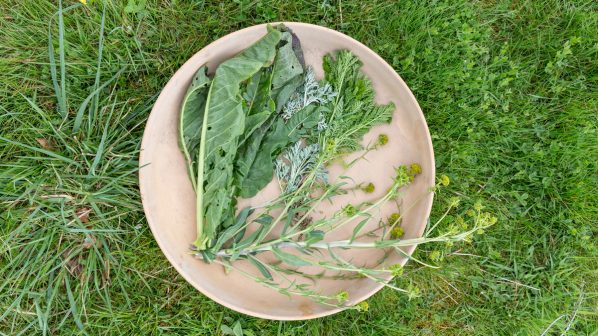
(296, 163)
(311, 93)
(322, 124)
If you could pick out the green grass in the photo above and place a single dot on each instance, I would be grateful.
(509, 93)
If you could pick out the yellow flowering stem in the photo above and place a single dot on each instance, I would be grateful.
(440, 219)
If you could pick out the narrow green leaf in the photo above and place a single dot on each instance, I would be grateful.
(267, 221)
(62, 98)
(241, 223)
(314, 236)
(289, 219)
(233, 230)
(39, 314)
(259, 233)
(50, 295)
(358, 228)
(100, 151)
(289, 258)
(95, 104)
(260, 266)
(59, 88)
(54, 74)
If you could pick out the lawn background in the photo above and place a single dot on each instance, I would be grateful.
(508, 89)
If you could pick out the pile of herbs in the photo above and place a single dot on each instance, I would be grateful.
(263, 115)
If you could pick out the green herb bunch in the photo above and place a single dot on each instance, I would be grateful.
(264, 115)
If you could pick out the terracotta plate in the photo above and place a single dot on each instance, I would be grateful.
(169, 201)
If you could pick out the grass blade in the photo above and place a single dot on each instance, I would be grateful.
(41, 150)
(50, 295)
(72, 303)
(95, 104)
(62, 61)
(100, 150)
(83, 107)
(53, 73)
(59, 89)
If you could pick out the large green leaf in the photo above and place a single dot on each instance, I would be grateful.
(254, 167)
(250, 182)
(260, 105)
(191, 119)
(287, 72)
(223, 124)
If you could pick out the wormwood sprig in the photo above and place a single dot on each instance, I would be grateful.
(296, 163)
(311, 92)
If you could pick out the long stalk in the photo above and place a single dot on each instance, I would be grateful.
(343, 244)
(201, 241)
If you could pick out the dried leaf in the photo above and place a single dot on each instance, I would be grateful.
(83, 214)
(89, 242)
(45, 143)
(106, 273)
(73, 263)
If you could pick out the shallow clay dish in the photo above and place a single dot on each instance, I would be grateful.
(169, 200)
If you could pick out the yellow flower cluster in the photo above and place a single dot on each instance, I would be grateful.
(382, 139)
(369, 188)
(363, 306)
(397, 232)
(342, 296)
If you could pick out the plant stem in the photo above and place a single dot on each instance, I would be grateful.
(440, 219)
(201, 241)
(343, 244)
